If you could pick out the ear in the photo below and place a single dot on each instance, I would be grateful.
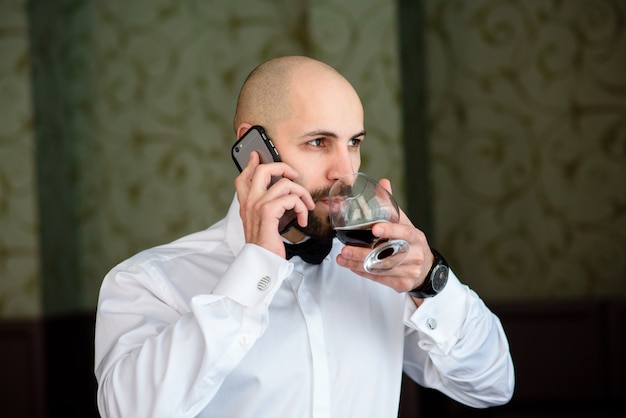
(242, 129)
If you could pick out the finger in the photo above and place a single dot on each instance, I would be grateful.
(297, 204)
(396, 231)
(356, 266)
(244, 179)
(273, 205)
(391, 278)
(400, 278)
(253, 162)
(353, 256)
(265, 173)
(386, 184)
(286, 187)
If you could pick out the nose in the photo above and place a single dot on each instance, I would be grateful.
(342, 163)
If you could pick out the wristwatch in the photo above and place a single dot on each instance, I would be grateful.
(436, 278)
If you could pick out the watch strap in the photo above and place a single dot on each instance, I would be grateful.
(426, 289)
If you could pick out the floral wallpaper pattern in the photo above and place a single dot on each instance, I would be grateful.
(136, 102)
(527, 108)
(19, 267)
(527, 115)
(164, 94)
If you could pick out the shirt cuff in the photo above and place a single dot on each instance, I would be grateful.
(254, 277)
(440, 317)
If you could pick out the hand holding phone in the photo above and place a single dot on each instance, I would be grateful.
(253, 140)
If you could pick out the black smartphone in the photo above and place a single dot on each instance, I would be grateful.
(255, 139)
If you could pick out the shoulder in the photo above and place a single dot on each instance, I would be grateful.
(194, 257)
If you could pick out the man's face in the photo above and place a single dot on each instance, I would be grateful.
(321, 141)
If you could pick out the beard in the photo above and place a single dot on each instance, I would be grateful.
(318, 225)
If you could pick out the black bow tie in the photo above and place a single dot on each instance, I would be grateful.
(312, 251)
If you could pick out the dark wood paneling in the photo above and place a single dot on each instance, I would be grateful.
(569, 362)
(70, 383)
(617, 349)
(46, 368)
(568, 356)
(21, 369)
(555, 346)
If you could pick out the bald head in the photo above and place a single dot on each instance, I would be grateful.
(266, 97)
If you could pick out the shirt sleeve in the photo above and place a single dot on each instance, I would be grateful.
(153, 360)
(456, 345)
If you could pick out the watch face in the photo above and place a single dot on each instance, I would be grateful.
(439, 278)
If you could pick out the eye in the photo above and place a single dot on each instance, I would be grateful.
(355, 142)
(317, 142)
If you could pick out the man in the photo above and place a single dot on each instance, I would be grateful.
(221, 324)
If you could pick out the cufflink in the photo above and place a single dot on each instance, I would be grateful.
(432, 323)
(263, 283)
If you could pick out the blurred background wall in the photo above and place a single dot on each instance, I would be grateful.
(527, 121)
(502, 125)
(126, 141)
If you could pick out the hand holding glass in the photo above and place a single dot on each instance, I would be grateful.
(357, 203)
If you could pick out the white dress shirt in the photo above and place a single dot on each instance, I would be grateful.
(209, 326)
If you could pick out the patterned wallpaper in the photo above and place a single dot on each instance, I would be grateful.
(19, 266)
(166, 78)
(527, 105)
(137, 100)
(528, 128)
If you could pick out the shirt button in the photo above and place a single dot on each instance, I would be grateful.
(244, 340)
(263, 283)
(432, 323)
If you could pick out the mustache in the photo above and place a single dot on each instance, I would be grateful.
(320, 194)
